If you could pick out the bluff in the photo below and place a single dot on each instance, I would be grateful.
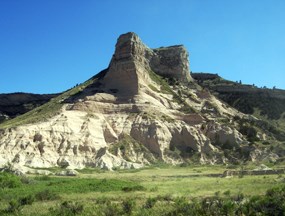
(145, 107)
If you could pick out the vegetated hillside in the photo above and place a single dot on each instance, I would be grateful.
(144, 108)
(266, 104)
(15, 104)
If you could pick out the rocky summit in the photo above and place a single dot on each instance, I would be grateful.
(144, 108)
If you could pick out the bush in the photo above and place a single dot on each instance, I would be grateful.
(128, 206)
(133, 188)
(181, 207)
(14, 206)
(110, 210)
(102, 200)
(43, 178)
(227, 193)
(67, 208)
(250, 132)
(228, 207)
(46, 195)
(8, 180)
(150, 202)
(166, 197)
(26, 180)
(27, 200)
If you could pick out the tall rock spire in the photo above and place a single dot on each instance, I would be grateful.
(122, 74)
(132, 60)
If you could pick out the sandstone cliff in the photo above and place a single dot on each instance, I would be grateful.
(145, 107)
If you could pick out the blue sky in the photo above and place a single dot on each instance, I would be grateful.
(50, 46)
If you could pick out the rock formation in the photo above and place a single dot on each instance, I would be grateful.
(132, 60)
(144, 107)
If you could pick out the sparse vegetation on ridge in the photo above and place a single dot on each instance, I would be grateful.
(165, 89)
(164, 86)
(51, 108)
(47, 110)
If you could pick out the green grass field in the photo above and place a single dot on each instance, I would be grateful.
(151, 191)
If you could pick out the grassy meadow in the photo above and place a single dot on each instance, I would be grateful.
(191, 190)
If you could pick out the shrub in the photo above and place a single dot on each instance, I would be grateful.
(133, 188)
(67, 208)
(250, 132)
(228, 207)
(239, 197)
(270, 204)
(150, 202)
(8, 180)
(46, 195)
(227, 193)
(110, 209)
(26, 180)
(102, 200)
(186, 109)
(43, 178)
(154, 189)
(181, 207)
(166, 197)
(27, 200)
(128, 206)
(14, 206)
(266, 143)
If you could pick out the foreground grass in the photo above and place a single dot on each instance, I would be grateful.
(153, 191)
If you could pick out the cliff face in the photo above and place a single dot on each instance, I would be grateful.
(128, 116)
(132, 59)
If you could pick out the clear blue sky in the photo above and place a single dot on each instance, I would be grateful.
(49, 46)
